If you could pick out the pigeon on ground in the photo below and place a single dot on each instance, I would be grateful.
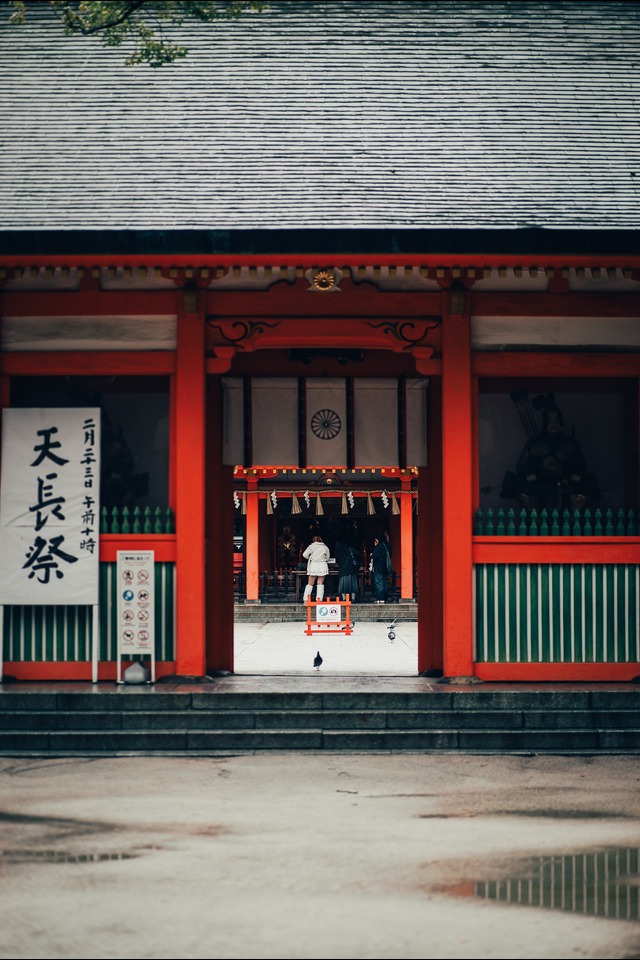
(317, 660)
(392, 633)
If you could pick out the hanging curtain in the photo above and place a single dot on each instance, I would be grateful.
(243, 507)
(394, 504)
(370, 507)
(345, 508)
(319, 509)
(295, 505)
(269, 505)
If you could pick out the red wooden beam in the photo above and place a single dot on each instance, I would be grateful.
(299, 302)
(525, 364)
(557, 672)
(59, 671)
(88, 301)
(574, 303)
(556, 550)
(320, 260)
(80, 362)
(163, 545)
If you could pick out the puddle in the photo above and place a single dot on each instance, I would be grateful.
(600, 884)
(60, 856)
(542, 812)
(567, 814)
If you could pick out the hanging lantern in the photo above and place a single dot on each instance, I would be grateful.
(243, 508)
(394, 504)
(345, 508)
(370, 507)
(385, 499)
(319, 510)
(295, 504)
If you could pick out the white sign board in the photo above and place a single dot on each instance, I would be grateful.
(328, 613)
(50, 506)
(135, 583)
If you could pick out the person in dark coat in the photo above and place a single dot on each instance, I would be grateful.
(381, 562)
(348, 566)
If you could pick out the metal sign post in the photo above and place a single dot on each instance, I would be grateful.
(136, 624)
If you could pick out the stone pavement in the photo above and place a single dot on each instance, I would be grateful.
(294, 856)
(284, 649)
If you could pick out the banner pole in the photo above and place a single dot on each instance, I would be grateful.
(95, 643)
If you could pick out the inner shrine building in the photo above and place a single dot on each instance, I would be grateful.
(323, 278)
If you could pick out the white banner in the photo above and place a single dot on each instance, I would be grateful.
(232, 422)
(375, 422)
(274, 416)
(50, 506)
(326, 421)
(416, 422)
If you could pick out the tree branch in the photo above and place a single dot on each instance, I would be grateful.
(125, 15)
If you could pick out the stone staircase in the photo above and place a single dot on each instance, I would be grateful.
(275, 612)
(128, 720)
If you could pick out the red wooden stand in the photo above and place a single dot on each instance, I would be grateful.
(337, 625)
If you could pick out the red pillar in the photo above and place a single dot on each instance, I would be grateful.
(219, 540)
(406, 542)
(190, 500)
(457, 473)
(252, 556)
(429, 543)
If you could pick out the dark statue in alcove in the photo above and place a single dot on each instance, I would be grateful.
(551, 471)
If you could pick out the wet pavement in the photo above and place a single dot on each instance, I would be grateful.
(291, 855)
(308, 856)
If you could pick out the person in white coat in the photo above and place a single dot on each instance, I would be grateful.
(316, 555)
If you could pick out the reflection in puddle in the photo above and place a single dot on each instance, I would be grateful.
(604, 884)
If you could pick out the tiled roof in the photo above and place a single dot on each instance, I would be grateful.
(324, 115)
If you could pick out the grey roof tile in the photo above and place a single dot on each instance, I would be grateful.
(331, 114)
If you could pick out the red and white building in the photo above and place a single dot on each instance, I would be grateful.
(425, 237)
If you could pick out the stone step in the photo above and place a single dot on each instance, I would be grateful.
(278, 612)
(373, 719)
(122, 720)
(153, 699)
(348, 740)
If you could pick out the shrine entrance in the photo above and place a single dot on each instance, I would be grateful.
(273, 508)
